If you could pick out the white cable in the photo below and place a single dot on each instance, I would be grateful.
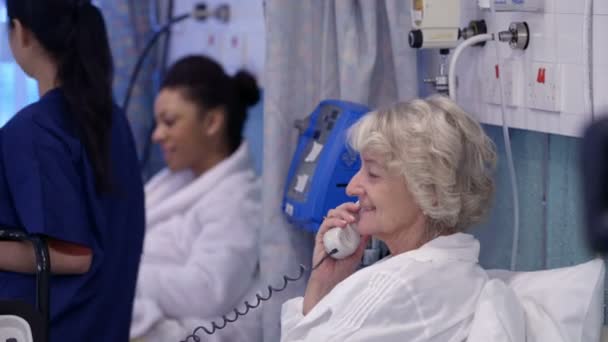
(505, 129)
(452, 70)
(510, 163)
(588, 48)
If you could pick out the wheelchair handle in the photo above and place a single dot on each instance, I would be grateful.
(43, 267)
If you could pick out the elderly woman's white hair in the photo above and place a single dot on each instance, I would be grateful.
(444, 155)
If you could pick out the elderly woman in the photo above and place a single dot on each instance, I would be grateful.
(425, 178)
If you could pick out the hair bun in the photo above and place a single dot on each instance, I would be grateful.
(246, 88)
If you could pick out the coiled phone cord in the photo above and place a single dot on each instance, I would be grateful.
(259, 299)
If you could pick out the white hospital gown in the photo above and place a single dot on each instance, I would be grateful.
(428, 294)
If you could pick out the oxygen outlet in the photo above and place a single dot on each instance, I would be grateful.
(518, 35)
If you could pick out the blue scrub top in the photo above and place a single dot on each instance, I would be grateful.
(47, 186)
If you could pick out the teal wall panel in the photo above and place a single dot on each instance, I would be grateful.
(550, 224)
(565, 238)
(496, 233)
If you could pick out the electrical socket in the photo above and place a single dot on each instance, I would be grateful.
(509, 72)
(544, 87)
(484, 4)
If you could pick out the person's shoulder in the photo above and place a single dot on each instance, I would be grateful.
(24, 124)
(239, 178)
(43, 126)
(25, 117)
(241, 183)
(48, 113)
(414, 272)
(437, 278)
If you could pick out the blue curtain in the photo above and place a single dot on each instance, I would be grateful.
(129, 28)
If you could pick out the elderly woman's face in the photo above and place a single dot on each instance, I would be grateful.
(387, 206)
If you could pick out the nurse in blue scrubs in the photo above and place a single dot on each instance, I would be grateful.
(69, 171)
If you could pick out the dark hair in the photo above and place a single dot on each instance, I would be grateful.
(73, 32)
(204, 82)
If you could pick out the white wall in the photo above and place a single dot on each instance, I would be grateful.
(557, 45)
(240, 43)
(600, 56)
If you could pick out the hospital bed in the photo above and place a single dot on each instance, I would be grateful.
(559, 305)
(19, 321)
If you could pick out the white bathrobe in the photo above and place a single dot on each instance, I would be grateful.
(200, 254)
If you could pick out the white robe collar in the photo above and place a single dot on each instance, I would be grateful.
(455, 247)
(169, 192)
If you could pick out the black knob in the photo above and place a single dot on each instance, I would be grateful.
(415, 39)
(200, 11)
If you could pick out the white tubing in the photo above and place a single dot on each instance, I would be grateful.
(452, 70)
(512, 175)
(510, 163)
(505, 129)
(588, 43)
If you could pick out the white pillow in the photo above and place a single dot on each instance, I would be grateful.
(499, 317)
(563, 304)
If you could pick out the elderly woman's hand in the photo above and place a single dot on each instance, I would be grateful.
(332, 271)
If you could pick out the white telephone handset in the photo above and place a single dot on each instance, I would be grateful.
(344, 240)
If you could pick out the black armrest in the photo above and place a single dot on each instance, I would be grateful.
(43, 267)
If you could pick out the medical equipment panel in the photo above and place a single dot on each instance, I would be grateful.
(519, 5)
(322, 164)
(436, 23)
(550, 85)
